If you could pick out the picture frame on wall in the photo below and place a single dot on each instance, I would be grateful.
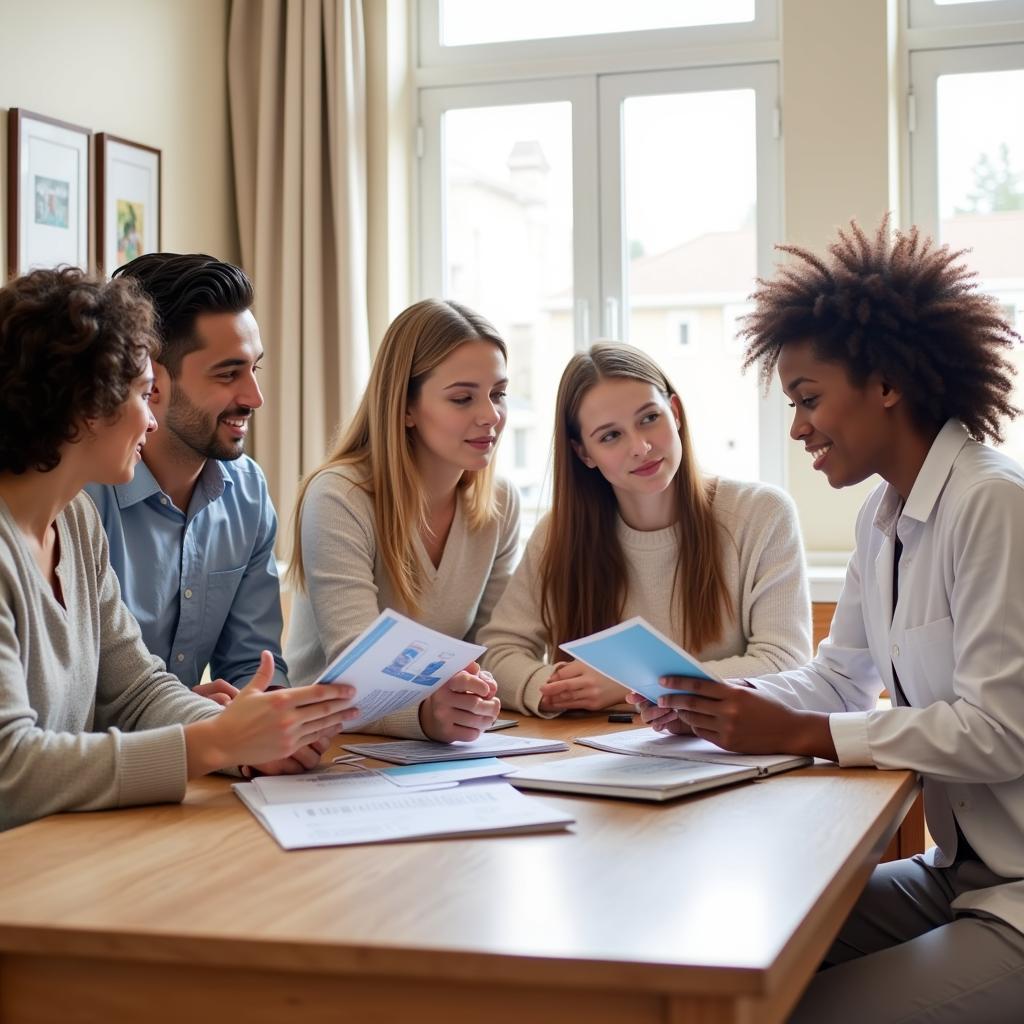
(128, 201)
(47, 192)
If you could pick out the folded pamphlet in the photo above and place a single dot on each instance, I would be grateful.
(637, 655)
(396, 662)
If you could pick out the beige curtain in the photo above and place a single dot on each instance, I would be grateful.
(297, 92)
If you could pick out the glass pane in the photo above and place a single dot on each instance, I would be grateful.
(508, 254)
(464, 22)
(981, 194)
(690, 172)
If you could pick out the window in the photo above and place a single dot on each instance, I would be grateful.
(466, 22)
(967, 164)
(637, 205)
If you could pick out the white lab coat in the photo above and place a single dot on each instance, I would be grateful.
(957, 641)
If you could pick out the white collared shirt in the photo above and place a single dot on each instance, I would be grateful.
(956, 638)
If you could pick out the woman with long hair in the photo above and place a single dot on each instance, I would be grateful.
(636, 529)
(406, 511)
(89, 718)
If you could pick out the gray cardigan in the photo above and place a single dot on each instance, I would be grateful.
(88, 717)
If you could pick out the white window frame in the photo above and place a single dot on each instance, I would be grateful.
(925, 14)
(764, 28)
(926, 67)
(730, 56)
(763, 79)
(435, 103)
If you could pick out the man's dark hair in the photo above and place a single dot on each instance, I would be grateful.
(183, 287)
(903, 308)
(70, 349)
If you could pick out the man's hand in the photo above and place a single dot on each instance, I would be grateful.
(220, 691)
(463, 708)
(737, 717)
(575, 686)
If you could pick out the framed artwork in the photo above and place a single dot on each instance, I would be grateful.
(47, 192)
(127, 201)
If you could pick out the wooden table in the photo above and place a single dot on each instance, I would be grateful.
(715, 908)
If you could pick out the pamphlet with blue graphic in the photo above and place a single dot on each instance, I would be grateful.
(636, 655)
(396, 662)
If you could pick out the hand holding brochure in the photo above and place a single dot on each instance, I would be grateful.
(396, 662)
(636, 655)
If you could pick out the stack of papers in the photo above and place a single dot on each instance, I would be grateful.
(396, 662)
(420, 751)
(636, 778)
(490, 808)
(689, 748)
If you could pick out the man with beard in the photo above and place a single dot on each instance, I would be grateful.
(192, 536)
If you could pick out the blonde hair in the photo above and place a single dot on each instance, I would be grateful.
(583, 568)
(378, 443)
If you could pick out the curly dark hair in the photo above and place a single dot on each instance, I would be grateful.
(181, 287)
(70, 348)
(902, 307)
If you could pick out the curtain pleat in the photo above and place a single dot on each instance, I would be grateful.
(297, 92)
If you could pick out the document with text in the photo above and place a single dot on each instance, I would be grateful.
(488, 745)
(688, 748)
(478, 809)
(396, 662)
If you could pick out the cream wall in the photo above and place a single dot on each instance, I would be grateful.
(838, 138)
(152, 71)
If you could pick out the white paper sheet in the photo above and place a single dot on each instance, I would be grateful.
(494, 808)
(687, 748)
(420, 751)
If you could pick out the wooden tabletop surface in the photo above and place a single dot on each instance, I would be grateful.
(712, 893)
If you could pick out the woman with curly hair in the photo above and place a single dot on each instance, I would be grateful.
(88, 718)
(894, 365)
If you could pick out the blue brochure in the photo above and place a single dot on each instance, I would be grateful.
(636, 655)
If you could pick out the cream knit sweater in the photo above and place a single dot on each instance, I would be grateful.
(764, 570)
(347, 585)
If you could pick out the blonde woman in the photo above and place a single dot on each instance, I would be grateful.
(636, 529)
(406, 511)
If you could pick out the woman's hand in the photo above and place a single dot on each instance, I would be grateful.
(463, 708)
(575, 686)
(259, 727)
(220, 691)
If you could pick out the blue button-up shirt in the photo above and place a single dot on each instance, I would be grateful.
(203, 584)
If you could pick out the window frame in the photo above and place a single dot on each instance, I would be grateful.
(432, 54)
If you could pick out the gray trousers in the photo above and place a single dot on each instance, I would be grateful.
(902, 957)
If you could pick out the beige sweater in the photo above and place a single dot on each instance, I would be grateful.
(764, 570)
(88, 717)
(347, 585)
